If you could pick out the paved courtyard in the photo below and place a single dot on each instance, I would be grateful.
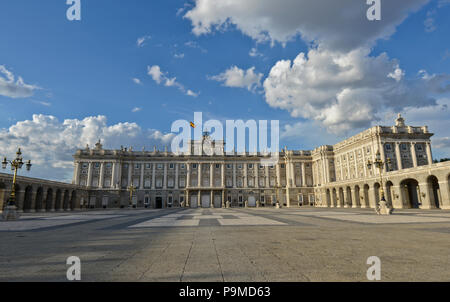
(299, 244)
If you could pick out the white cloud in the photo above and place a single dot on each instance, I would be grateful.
(236, 77)
(191, 93)
(50, 143)
(254, 53)
(141, 41)
(155, 72)
(137, 81)
(340, 25)
(195, 45)
(159, 77)
(136, 109)
(346, 90)
(178, 56)
(10, 87)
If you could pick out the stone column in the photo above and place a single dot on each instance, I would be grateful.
(277, 167)
(130, 174)
(211, 175)
(223, 198)
(33, 200)
(288, 184)
(114, 175)
(223, 174)
(256, 167)
(303, 166)
(199, 166)
(413, 154)
(187, 199)
(89, 176)
(234, 175)
(165, 177)
(176, 175)
(424, 200)
(199, 200)
(52, 208)
(119, 175)
(245, 175)
(153, 176)
(398, 156)
(372, 197)
(102, 175)
(445, 198)
(188, 175)
(141, 180)
(267, 184)
(211, 204)
(429, 154)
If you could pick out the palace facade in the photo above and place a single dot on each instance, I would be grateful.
(328, 176)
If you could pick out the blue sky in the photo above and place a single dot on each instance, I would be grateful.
(80, 70)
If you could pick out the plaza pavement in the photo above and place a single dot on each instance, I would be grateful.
(263, 244)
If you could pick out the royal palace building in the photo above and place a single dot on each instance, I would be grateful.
(328, 176)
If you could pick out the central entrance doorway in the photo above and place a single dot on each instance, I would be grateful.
(194, 201)
(158, 202)
(251, 201)
(217, 201)
(206, 201)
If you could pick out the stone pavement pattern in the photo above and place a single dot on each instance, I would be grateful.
(265, 244)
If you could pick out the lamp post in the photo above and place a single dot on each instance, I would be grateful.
(10, 211)
(382, 208)
(131, 189)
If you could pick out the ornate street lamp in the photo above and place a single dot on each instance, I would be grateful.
(10, 211)
(131, 189)
(383, 207)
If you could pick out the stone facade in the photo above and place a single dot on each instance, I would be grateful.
(38, 195)
(335, 175)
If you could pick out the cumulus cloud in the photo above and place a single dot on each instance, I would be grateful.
(136, 109)
(340, 25)
(161, 77)
(50, 143)
(12, 88)
(347, 90)
(237, 77)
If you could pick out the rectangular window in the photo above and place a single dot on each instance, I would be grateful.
(183, 166)
(147, 166)
(171, 166)
(239, 166)
(194, 166)
(147, 183)
(159, 166)
(229, 166)
(388, 147)
(137, 166)
(217, 166)
(250, 166)
(282, 166)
